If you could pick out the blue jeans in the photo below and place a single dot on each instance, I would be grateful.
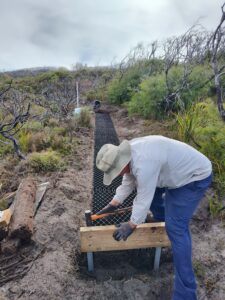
(176, 207)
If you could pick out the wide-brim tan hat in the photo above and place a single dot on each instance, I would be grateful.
(112, 160)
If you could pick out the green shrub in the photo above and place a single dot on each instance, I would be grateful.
(30, 141)
(207, 132)
(211, 137)
(121, 88)
(50, 137)
(196, 87)
(58, 131)
(37, 110)
(147, 102)
(33, 126)
(91, 95)
(198, 84)
(187, 122)
(102, 94)
(126, 81)
(45, 161)
(215, 206)
(24, 139)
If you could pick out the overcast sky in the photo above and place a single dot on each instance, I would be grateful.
(94, 32)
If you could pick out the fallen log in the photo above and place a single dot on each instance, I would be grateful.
(21, 225)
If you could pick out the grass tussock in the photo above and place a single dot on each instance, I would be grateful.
(46, 161)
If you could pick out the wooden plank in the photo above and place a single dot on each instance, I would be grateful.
(99, 238)
(41, 189)
(5, 217)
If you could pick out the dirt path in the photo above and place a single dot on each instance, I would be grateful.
(59, 271)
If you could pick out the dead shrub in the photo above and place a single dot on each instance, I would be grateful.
(52, 122)
(84, 118)
(8, 180)
(38, 141)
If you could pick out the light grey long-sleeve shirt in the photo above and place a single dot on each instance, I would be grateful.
(157, 161)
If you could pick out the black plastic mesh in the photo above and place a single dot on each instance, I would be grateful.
(105, 134)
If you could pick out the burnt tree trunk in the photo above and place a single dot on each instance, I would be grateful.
(217, 45)
(219, 96)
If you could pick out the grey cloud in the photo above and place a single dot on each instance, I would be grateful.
(50, 30)
(62, 32)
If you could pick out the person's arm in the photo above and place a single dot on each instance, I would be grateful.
(147, 178)
(124, 190)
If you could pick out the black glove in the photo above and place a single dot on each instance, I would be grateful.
(107, 209)
(123, 231)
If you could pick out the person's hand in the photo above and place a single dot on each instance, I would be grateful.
(107, 209)
(123, 231)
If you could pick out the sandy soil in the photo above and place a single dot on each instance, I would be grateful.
(56, 269)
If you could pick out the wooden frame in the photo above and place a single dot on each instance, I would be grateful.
(99, 238)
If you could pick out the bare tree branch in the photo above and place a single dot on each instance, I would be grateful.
(12, 106)
(216, 47)
(58, 97)
(138, 56)
(183, 51)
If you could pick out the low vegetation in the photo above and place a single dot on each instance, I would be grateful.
(46, 142)
(45, 161)
(202, 127)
